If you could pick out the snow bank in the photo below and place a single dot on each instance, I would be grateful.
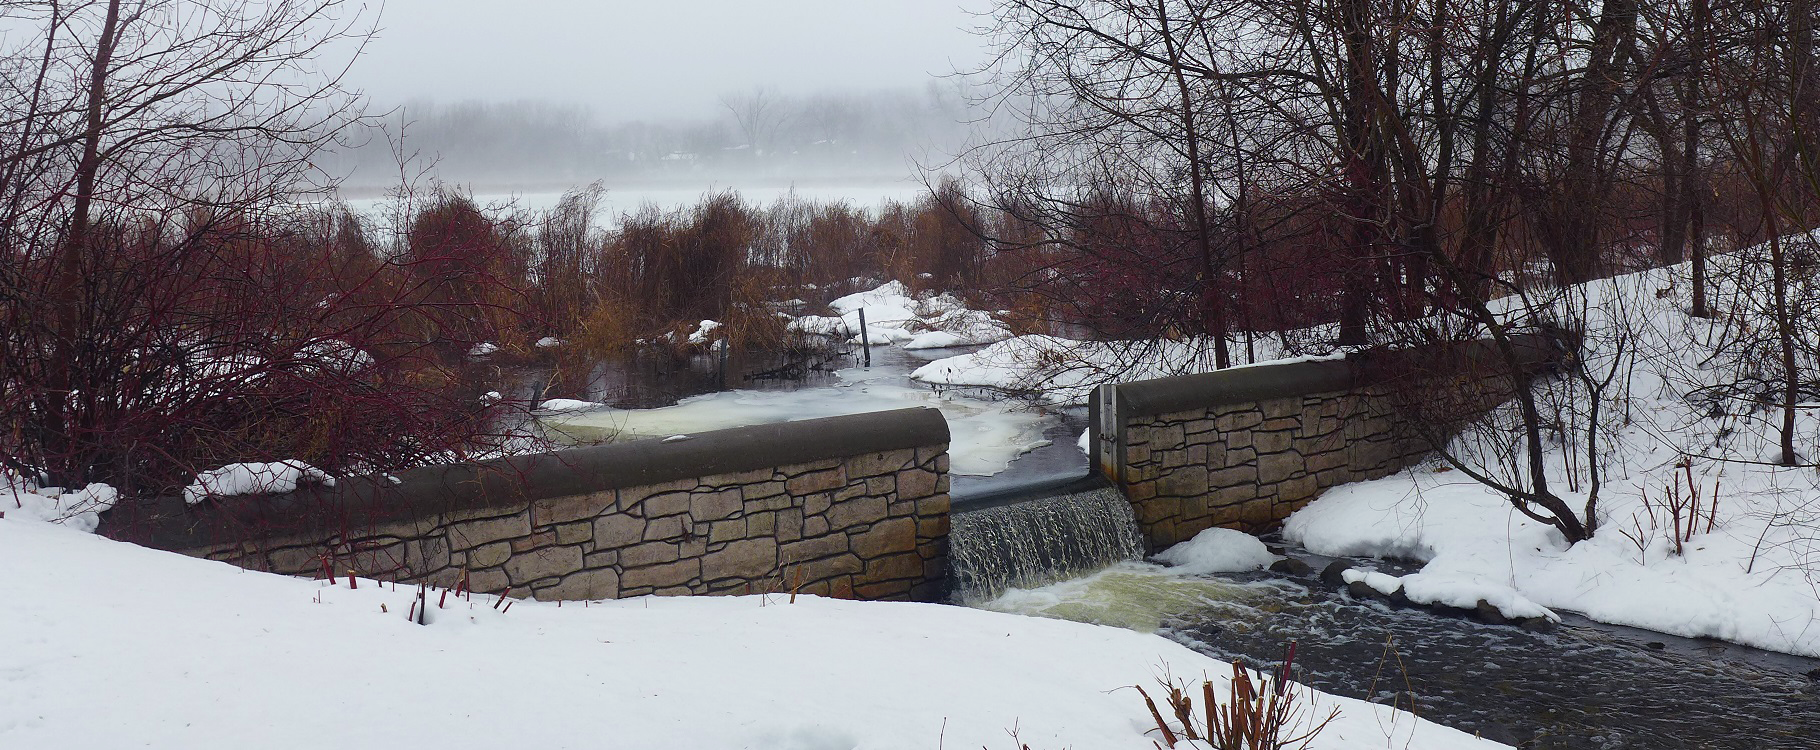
(254, 479)
(562, 405)
(1218, 550)
(894, 316)
(1064, 371)
(78, 509)
(1457, 591)
(106, 644)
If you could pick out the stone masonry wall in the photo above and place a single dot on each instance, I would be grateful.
(872, 527)
(1249, 465)
(869, 521)
(1245, 447)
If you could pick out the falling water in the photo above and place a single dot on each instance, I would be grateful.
(1039, 541)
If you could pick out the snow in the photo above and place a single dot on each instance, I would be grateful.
(702, 331)
(548, 342)
(1218, 550)
(106, 644)
(1751, 579)
(254, 479)
(1458, 591)
(560, 405)
(483, 349)
(985, 435)
(1064, 371)
(895, 316)
(79, 509)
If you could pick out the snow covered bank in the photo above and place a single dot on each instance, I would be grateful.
(895, 316)
(106, 644)
(1746, 571)
(986, 435)
(1064, 371)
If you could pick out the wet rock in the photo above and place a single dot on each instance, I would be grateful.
(1813, 674)
(1656, 645)
(1291, 566)
(1359, 590)
(1490, 615)
(1537, 624)
(1398, 597)
(1330, 575)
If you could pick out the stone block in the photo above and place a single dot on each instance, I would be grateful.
(571, 508)
(470, 534)
(649, 553)
(817, 504)
(543, 563)
(816, 481)
(666, 504)
(1278, 408)
(574, 533)
(1142, 490)
(1152, 511)
(815, 526)
(1188, 481)
(811, 549)
(885, 537)
(534, 541)
(789, 525)
(748, 558)
(1235, 421)
(584, 584)
(761, 524)
(1278, 467)
(726, 531)
(932, 505)
(907, 565)
(879, 464)
(827, 567)
(1236, 476)
(1137, 453)
(932, 527)
(884, 590)
(617, 530)
(678, 573)
(1299, 488)
(882, 485)
(490, 581)
(605, 559)
(664, 528)
(714, 506)
(855, 512)
(489, 555)
(1271, 442)
(916, 483)
(763, 490)
(796, 470)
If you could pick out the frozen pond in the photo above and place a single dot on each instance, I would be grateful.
(994, 440)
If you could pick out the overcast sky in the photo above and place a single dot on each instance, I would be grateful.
(639, 59)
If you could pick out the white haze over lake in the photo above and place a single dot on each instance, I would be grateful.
(617, 202)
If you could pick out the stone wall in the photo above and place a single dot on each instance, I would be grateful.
(848, 506)
(1243, 448)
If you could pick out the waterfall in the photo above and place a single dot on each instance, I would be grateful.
(1038, 541)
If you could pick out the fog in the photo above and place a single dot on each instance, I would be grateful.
(549, 93)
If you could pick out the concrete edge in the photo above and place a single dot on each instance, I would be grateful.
(361, 502)
(1359, 369)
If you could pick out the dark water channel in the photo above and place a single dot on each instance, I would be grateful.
(1584, 685)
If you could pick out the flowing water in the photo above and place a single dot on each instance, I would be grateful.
(1034, 542)
(1584, 685)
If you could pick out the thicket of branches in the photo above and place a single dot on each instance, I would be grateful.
(1412, 171)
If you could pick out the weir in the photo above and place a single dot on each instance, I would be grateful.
(1036, 534)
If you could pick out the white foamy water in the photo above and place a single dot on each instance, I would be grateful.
(985, 435)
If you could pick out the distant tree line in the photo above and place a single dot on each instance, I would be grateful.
(756, 133)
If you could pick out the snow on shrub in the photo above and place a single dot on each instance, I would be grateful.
(254, 479)
(78, 509)
(1218, 550)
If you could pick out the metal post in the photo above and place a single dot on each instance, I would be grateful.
(865, 341)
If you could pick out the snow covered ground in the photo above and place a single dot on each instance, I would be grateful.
(895, 316)
(105, 644)
(1064, 371)
(1751, 577)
